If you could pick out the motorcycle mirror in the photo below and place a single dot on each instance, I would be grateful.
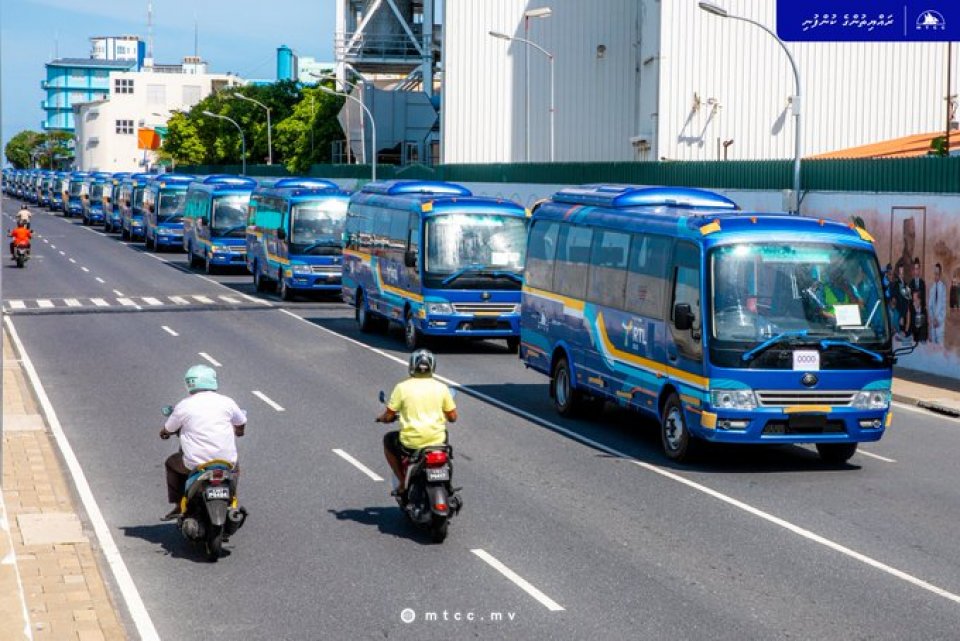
(167, 410)
(453, 393)
(383, 397)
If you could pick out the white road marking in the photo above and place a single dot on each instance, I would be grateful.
(357, 464)
(259, 301)
(100, 280)
(72, 302)
(876, 456)
(136, 608)
(153, 302)
(72, 261)
(99, 302)
(17, 304)
(126, 302)
(802, 532)
(168, 330)
(203, 299)
(85, 269)
(209, 359)
(229, 299)
(179, 300)
(118, 292)
(11, 559)
(46, 241)
(44, 303)
(53, 246)
(62, 253)
(210, 280)
(518, 580)
(160, 258)
(269, 401)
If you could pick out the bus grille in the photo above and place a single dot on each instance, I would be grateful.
(778, 398)
(325, 269)
(484, 308)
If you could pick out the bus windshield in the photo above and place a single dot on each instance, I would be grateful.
(229, 217)
(810, 291)
(171, 206)
(76, 188)
(465, 251)
(96, 192)
(317, 227)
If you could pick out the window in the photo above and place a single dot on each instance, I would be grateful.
(125, 127)
(608, 268)
(686, 290)
(156, 94)
(646, 275)
(191, 95)
(541, 249)
(573, 261)
(122, 85)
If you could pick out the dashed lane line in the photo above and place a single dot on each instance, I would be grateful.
(210, 359)
(518, 580)
(168, 330)
(357, 464)
(269, 401)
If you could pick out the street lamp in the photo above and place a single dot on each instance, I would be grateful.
(723, 13)
(539, 12)
(550, 58)
(373, 124)
(269, 135)
(243, 141)
(363, 128)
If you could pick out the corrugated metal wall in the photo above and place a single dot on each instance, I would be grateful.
(596, 90)
(853, 93)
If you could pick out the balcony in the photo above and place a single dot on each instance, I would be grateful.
(377, 53)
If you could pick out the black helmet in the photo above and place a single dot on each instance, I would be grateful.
(422, 363)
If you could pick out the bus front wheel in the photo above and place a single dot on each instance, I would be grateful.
(567, 399)
(836, 453)
(259, 282)
(678, 443)
(513, 344)
(365, 320)
(411, 335)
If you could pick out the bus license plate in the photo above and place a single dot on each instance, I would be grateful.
(214, 493)
(438, 474)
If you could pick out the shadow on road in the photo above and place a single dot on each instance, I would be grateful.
(389, 520)
(168, 537)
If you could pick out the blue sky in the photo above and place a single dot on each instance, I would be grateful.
(235, 35)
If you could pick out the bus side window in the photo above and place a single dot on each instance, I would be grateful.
(686, 290)
(647, 275)
(573, 261)
(608, 273)
(541, 249)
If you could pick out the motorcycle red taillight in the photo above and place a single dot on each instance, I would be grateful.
(216, 477)
(436, 459)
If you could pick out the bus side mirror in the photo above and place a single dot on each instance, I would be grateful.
(682, 316)
(410, 258)
(281, 235)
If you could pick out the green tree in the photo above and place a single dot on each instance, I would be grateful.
(183, 143)
(938, 147)
(56, 146)
(304, 137)
(19, 148)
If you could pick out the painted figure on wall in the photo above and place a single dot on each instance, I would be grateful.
(937, 306)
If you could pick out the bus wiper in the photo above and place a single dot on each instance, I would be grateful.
(773, 340)
(484, 270)
(321, 243)
(827, 344)
(228, 231)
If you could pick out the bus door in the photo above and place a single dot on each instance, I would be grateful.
(411, 257)
(685, 338)
(282, 244)
(570, 280)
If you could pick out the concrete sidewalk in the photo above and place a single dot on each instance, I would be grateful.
(936, 393)
(51, 586)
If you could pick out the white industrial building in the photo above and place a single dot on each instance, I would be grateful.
(107, 130)
(663, 79)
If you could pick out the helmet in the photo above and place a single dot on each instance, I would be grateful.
(201, 377)
(422, 363)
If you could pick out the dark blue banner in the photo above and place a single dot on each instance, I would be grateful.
(868, 20)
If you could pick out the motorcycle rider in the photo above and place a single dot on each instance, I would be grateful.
(23, 216)
(208, 423)
(423, 405)
(21, 235)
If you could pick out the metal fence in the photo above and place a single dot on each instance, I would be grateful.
(904, 175)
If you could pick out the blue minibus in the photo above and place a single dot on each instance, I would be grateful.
(43, 190)
(163, 201)
(73, 196)
(92, 198)
(215, 221)
(294, 236)
(111, 205)
(58, 190)
(435, 259)
(725, 326)
(130, 199)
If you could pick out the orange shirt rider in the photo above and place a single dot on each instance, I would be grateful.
(20, 236)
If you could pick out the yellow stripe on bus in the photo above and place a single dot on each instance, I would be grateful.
(572, 303)
(807, 409)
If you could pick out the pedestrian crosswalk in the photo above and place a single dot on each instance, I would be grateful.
(135, 303)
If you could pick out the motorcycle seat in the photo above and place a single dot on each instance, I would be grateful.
(216, 464)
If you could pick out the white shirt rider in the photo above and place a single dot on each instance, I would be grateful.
(206, 422)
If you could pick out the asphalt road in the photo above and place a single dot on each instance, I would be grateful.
(613, 542)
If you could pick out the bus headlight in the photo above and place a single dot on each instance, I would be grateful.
(872, 400)
(733, 399)
(301, 270)
(220, 249)
(439, 308)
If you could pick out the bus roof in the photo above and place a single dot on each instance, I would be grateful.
(623, 196)
(416, 187)
(304, 183)
(301, 193)
(228, 179)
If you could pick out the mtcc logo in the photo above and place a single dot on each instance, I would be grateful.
(931, 20)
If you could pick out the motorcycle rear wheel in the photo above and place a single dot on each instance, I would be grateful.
(438, 528)
(213, 544)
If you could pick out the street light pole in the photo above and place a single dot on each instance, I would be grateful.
(540, 12)
(243, 140)
(363, 127)
(723, 13)
(373, 124)
(269, 134)
(550, 58)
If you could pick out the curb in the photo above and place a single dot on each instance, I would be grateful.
(932, 406)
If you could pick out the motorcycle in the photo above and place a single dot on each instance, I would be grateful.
(209, 510)
(430, 500)
(21, 254)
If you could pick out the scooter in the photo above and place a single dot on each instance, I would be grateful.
(430, 500)
(209, 511)
(21, 254)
